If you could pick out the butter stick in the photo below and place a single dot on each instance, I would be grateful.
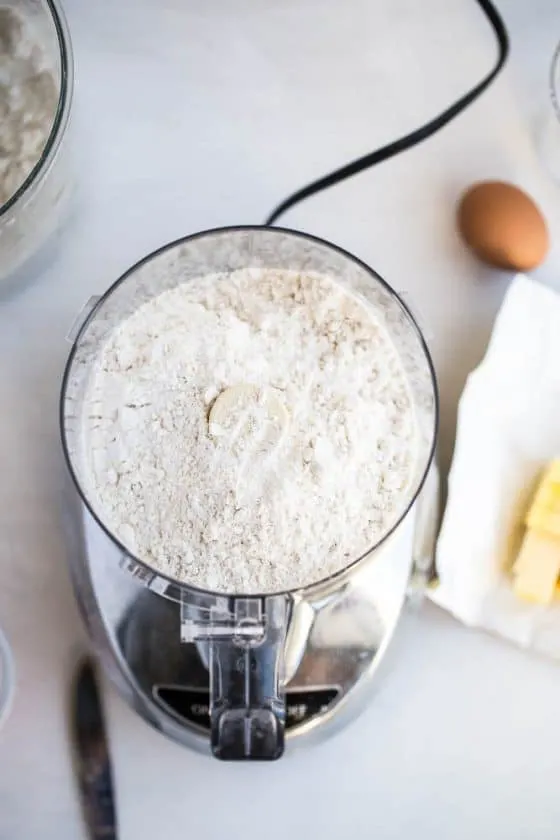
(537, 568)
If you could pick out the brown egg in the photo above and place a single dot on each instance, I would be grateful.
(503, 226)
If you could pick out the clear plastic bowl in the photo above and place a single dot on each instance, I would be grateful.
(35, 210)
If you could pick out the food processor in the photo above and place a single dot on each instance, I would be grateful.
(241, 675)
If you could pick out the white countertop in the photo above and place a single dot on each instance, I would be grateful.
(192, 115)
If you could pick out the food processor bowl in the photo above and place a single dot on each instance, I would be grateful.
(35, 210)
(250, 643)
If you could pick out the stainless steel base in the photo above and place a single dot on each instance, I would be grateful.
(335, 644)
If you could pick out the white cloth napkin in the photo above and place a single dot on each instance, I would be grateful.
(508, 429)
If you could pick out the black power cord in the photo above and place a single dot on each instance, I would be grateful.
(416, 136)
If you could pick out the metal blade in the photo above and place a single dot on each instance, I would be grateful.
(93, 762)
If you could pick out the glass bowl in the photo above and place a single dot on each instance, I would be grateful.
(33, 212)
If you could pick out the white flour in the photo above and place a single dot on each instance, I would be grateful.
(28, 102)
(308, 470)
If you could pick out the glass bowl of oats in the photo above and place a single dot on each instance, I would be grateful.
(36, 82)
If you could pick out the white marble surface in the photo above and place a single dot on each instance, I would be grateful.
(191, 115)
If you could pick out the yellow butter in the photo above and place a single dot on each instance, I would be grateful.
(537, 568)
(544, 512)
